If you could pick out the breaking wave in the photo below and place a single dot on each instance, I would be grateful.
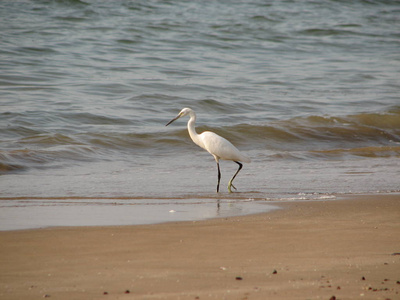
(311, 137)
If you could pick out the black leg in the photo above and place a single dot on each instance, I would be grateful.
(230, 182)
(219, 177)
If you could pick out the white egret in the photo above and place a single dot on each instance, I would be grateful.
(216, 145)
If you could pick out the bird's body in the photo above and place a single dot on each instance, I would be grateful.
(220, 147)
(217, 146)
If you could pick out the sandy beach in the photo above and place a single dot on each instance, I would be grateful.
(342, 249)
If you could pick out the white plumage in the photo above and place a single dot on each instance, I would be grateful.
(214, 144)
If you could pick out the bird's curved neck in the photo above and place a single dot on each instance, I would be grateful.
(192, 130)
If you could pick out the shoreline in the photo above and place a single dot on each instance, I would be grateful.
(34, 213)
(308, 250)
(40, 213)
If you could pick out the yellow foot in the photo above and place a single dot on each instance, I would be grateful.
(229, 187)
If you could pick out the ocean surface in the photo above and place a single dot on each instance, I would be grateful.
(310, 90)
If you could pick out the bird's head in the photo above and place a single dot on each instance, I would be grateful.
(182, 113)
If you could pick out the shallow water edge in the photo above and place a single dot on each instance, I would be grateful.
(22, 213)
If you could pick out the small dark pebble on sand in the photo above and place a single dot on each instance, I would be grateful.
(363, 278)
(127, 291)
(274, 272)
(239, 278)
(105, 293)
(332, 298)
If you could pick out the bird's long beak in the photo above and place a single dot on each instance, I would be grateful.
(173, 120)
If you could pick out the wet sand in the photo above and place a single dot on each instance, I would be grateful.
(342, 249)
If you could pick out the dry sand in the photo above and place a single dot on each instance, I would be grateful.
(310, 250)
